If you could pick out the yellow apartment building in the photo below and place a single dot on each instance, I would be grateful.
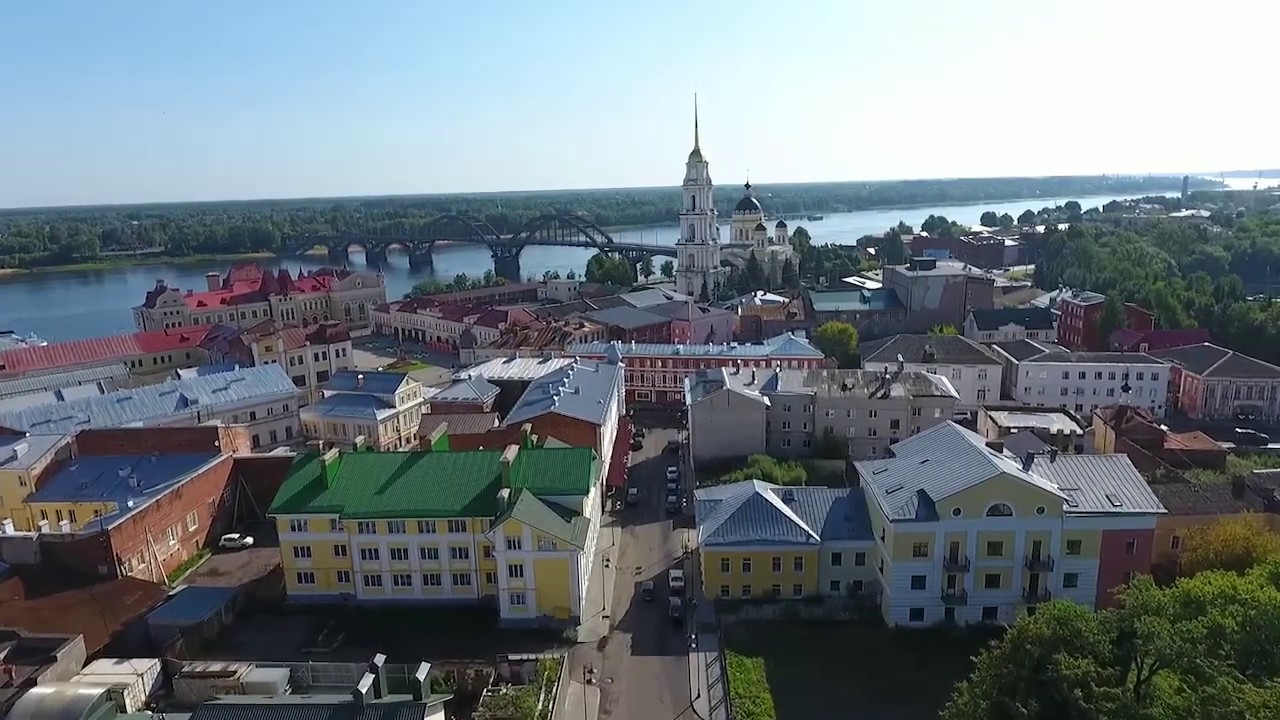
(22, 459)
(516, 528)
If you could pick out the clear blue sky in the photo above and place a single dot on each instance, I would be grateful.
(151, 100)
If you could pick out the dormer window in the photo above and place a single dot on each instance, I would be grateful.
(999, 510)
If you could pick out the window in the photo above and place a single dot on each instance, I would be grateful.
(797, 590)
(486, 551)
(429, 553)
(460, 553)
(298, 525)
(915, 615)
(427, 527)
(746, 564)
(786, 424)
(920, 550)
(344, 577)
(460, 579)
(1111, 392)
(1066, 374)
(1070, 580)
(872, 432)
(895, 424)
(919, 582)
(515, 542)
(746, 591)
(515, 571)
(1175, 542)
(302, 552)
(432, 580)
(1155, 377)
(833, 586)
(777, 563)
(797, 563)
(991, 581)
(775, 591)
(396, 527)
(1139, 375)
(402, 580)
(339, 550)
(170, 533)
(995, 548)
(837, 559)
(371, 580)
(490, 577)
(457, 526)
(859, 559)
(366, 527)
(335, 525)
(1131, 546)
(990, 613)
(724, 591)
(1074, 547)
(948, 614)
(1063, 392)
(724, 565)
(516, 599)
(1097, 375)
(369, 553)
(306, 578)
(999, 510)
(193, 520)
(1082, 375)
(398, 554)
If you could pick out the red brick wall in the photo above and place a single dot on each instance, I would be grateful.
(144, 441)
(1136, 318)
(1114, 564)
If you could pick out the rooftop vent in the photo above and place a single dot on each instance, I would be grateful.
(1114, 500)
(788, 495)
(894, 488)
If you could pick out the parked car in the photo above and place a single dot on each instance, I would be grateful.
(638, 433)
(672, 446)
(633, 495)
(235, 541)
(675, 579)
(637, 444)
(675, 609)
(646, 590)
(1245, 436)
(673, 473)
(673, 503)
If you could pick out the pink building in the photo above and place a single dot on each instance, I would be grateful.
(1209, 382)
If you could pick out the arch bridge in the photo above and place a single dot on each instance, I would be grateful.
(561, 229)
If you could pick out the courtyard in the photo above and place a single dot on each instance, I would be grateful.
(835, 671)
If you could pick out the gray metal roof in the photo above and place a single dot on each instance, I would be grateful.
(128, 481)
(515, 368)
(944, 460)
(861, 383)
(748, 382)
(781, 347)
(626, 317)
(377, 383)
(1020, 350)
(651, 296)
(582, 390)
(150, 403)
(202, 370)
(927, 349)
(755, 512)
(1028, 318)
(18, 452)
(74, 392)
(60, 701)
(60, 380)
(350, 405)
(1098, 484)
(1096, 358)
(467, 388)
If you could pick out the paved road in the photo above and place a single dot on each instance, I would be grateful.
(643, 666)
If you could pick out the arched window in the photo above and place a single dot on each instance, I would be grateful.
(693, 201)
(692, 234)
(999, 510)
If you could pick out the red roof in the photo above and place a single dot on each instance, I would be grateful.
(1126, 339)
(74, 353)
(497, 318)
(246, 284)
(64, 603)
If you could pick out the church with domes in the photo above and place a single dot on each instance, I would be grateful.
(703, 262)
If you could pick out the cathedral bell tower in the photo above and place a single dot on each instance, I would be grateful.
(698, 268)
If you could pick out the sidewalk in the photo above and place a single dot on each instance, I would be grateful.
(596, 611)
(706, 677)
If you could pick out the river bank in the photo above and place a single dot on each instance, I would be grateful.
(128, 261)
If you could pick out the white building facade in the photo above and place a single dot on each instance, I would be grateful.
(1082, 382)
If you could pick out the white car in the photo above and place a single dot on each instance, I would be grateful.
(675, 580)
(673, 473)
(235, 541)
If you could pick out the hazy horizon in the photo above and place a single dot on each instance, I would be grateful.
(155, 102)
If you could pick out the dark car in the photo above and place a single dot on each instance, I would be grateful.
(1245, 436)
(646, 590)
(637, 444)
(672, 446)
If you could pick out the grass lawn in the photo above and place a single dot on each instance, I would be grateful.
(821, 671)
(408, 365)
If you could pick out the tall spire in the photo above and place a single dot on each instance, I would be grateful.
(695, 122)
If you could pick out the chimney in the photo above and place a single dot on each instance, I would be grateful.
(6, 527)
(504, 499)
(526, 435)
(64, 526)
(996, 446)
(212, 281)
(753, 376)
(508, 459)
(363, 693)
(378, 667)
(1028, 459)
(1053, 454)
(42, 526)
(418, 683)
(328, 462)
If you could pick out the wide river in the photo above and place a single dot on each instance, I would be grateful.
(71, 304)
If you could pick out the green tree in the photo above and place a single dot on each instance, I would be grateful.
(768, 469)
(1111, 319)
(1234, 544)
(571, 275)
(1074, 213)
(892, 250)
(989, 219)
(755, 274)
(944, 330)
(667, 269)
(790, 278)
(829, 446)
(838, 340)
(800, 240)
(904, 229)
(1006, 221)
(550, 275)
(610, 269)
(646, 267)
(1028, 217)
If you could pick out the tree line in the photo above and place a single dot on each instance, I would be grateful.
(36, 237)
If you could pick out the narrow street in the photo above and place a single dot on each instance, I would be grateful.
(642, 666)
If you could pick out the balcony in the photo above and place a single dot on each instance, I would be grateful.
(955, 563)
(1039, 563)
(1035, 597)
(955, 597)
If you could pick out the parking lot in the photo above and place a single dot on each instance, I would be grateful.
(375, 353)
(236, 568)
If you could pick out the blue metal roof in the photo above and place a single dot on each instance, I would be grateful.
(21, 452)
(759, 513)
(191, 604)
(582, 390)
(467, 388)
(204, 370)
(782, 346)
(377, 383)
(129, 481)
(139, 406)
(350, 405)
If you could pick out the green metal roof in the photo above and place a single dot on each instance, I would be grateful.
(557, 521)
(368, 485)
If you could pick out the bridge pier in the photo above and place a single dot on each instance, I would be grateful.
(506, 264)
(377, 258)
(420, 259)
(339, 255)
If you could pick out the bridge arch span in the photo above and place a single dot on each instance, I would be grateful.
(562, 229)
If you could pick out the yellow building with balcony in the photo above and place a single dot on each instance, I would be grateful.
(514, 528)
(948, 529)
